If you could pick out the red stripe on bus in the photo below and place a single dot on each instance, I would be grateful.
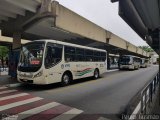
(86, 69)
(50, 113)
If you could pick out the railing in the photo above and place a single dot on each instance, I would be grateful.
(146, 97)
(148, 92)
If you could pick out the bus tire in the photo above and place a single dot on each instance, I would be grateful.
(66, 79)
(96, 74)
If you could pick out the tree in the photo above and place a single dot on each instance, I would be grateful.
(146, 48)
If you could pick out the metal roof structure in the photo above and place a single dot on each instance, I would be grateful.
(143, 16)
(47, 19)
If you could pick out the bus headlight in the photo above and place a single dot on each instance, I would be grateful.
(38, 74)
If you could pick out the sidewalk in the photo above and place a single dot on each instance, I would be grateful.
(6, 80)
(156, 109)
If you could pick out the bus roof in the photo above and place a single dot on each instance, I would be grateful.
(70, 44)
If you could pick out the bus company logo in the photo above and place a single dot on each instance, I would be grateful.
(62, 66)
(67, 65)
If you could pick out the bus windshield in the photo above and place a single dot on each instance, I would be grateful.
(31, 57)
(124, 60)
(142, 61)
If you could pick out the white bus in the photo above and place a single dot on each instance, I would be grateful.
(144, 63)
(51, 61)
(129, 62)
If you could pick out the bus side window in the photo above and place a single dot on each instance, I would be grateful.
(53, 54)
(103, 56)
(89, 55)
(97, 56)
(80, 54)
(69, 53)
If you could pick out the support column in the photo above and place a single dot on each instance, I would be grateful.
(108, 51)
(16, 40)
(127, 45)
(108, 60)
(108, 37)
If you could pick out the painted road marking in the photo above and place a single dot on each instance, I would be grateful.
(37, 110)
(7, 91)
(68, 115)
(3, 87)
(50, 113)
(13, 100)
(13, 96)
(24, 106)
(4, 107)
(11, 93)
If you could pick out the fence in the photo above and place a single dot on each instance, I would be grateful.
(147, 93)
(146, 97)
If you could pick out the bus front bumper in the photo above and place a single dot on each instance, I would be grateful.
(25, 78)
(126, 67)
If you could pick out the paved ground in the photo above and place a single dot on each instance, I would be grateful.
(5, 79)
(104, 97)
(156, 109)
(20, 105)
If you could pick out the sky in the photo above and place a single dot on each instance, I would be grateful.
(105, 14)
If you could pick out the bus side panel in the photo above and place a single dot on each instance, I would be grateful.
(54, 74)
(86, 69)
(82, 69)
(102, 67)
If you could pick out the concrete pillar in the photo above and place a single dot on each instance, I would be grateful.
(44, 6)
(136, 49)
(127, 45)
(108, 61)
(16, 40)
(108, 51)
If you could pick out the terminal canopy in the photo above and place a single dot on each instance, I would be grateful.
(144, 18)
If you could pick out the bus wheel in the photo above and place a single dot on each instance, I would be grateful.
(66, 79)
(96, 74)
